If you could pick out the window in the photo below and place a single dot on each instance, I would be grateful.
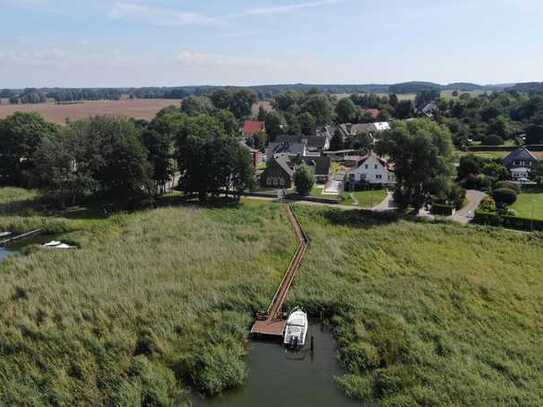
(375, 166)
(366, 166)
(379, 176)
(269, 181)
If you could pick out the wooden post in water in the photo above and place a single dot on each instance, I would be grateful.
(312, 344)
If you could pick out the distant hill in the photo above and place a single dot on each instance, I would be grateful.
(413, 87)
(527, 87)
(463, 87)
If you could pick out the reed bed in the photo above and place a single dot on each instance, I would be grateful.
(428, 314)
(152, 303)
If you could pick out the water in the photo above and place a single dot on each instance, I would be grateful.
(5, 253)
(280, 378)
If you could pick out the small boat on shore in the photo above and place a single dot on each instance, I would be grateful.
(296, 329)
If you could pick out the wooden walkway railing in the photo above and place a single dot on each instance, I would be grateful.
(24, 235)
(272, 323)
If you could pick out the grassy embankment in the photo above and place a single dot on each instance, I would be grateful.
(428, 314)
(529, 205)
(153, 302)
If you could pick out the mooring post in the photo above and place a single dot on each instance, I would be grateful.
(312, 344)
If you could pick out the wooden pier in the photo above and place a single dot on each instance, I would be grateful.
(272, 323)
(23, 236)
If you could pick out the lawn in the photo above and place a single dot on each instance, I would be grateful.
(530, 205)
(153, 301)
(428, 314)
(365, 199)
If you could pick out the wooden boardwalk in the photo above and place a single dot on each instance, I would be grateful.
(272, 322)
(23, 236)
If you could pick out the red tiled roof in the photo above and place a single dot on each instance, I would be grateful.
(374, 112)
(252, 127)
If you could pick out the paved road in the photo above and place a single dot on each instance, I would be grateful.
(465, 215)
(386, 205)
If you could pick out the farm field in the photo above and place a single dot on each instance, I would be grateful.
(144, 309)
(145, 109)
(428, 314)
(529, 205)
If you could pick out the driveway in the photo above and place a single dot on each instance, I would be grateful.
(466, 214)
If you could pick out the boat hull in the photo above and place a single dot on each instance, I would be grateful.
(296, 329)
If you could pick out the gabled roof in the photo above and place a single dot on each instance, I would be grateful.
(383, 162)
(520, 154)
(288, 138)
(283, 162)
(373, 112)
(321, 165)
(252, 127)
(287, 148)
(317, 142)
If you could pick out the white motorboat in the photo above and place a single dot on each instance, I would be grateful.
(52, 244)
(296, 329)
(5, 234)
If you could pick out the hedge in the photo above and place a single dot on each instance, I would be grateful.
(442, 210)
(511, 222)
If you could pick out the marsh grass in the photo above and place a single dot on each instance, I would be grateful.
(152, 303)
(428, 314)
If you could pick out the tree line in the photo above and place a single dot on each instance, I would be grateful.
(125, 162)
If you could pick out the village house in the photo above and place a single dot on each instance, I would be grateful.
(256, 155)
(370, 170)
(278, 173)
(252, 128)
(319, 165)
(348, 130)
(521, 163)
(374, 113)
(289, 148)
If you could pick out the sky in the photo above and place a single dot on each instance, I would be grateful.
(125, 43)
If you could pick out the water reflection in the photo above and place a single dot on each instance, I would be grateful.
(281, 378)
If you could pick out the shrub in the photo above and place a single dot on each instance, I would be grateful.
(508, 185)
(442, 210)
(304, 180)
(493, 140)
(488, 204)
(504, 197)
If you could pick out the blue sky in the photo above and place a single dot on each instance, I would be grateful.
(76, 43)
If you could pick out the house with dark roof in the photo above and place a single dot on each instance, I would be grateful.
(253, 127)
(521, 163)
(290, 148)
(278, 173)
(319, 165)
(371, 170)
(348, 130)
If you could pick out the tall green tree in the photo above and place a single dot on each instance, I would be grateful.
(320, 107)
(421, 152)
(347, 111)
(211, 160)
(275, 124)
(111, 151)
(308, 124)
(304, 179)
(20, 136)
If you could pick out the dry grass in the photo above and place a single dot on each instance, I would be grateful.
(134, 108)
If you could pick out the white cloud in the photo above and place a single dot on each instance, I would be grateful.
(286, 8)
(146, 13)
(157, 16)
